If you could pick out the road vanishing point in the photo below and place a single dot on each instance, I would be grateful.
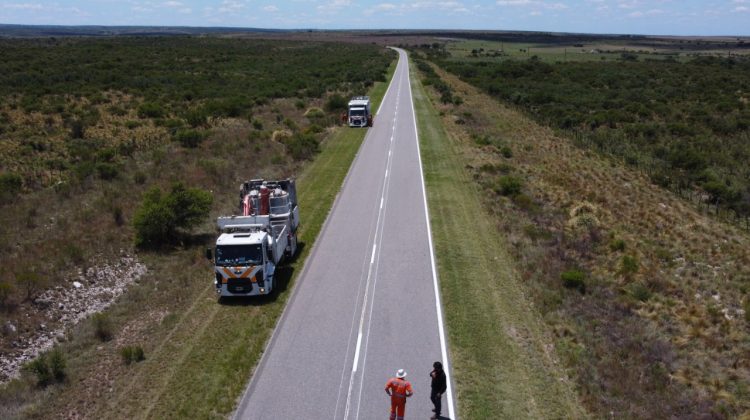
(367, 302)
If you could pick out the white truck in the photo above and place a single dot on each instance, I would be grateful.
(359, 114)
(252, 245)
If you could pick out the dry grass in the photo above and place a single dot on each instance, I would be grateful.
(664, 337)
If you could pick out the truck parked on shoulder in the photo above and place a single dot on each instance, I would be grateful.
(253, 244)
(359, 113)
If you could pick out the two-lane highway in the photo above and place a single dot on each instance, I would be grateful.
(367, 301)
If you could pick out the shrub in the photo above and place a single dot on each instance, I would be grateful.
(77, 129)
(160, 216)
(314, 113)
(506, 152)
(57, 365)
(40, 368)
(302, 146)
(48, 368)
(617, 245)
(509, 185)
(6, 291)
(132, 354)
(336, 103)
(639, 291)
(102, 326)
(189, 138)
(628, 266)
(31, 283)
(257, 124)
(150, 110)
(196, 117)
(139, 178)
(107, 171)
(10, 187)
(574, 279)
(117, 215)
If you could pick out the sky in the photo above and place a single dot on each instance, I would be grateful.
(659, 17)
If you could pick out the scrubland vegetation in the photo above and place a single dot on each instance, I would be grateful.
(99, 138)
(686, 124)
(646, 294)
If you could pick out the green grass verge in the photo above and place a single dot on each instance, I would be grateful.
(502, 361)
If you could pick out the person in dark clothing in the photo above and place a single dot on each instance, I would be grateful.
(438, 387)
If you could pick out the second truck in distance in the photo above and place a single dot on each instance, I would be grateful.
(358, 113)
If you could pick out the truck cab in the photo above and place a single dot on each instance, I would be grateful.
(242, 264)
(359, 113)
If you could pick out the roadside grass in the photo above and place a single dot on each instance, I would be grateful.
(199, 354)
(642, 292)
(501, 351)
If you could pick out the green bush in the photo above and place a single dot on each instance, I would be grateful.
(160, 217)
(103, 329)
(509, 185)
(10, 187)
(132, 354)
(31, 282)
(302, 146)
(574, 279)
(40, 368)
(336, 103)
(507, 152)
(150, 110)
(639, 291)
(617, 245)
(107, 171)
(57, 365)
(628, 265)
(189, 138)
(48, 368)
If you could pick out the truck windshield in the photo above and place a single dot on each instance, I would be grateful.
(357, 112)
(239, 254)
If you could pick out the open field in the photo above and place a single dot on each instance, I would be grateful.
(500, 348)
(198, 354)
(647, 297)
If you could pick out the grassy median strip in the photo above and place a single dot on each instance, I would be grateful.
(503, 365)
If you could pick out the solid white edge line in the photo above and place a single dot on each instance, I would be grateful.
(441, 329)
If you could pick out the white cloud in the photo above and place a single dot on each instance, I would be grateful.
(172, 3)
(536, 3)
(230, 6)
(271, 9)
(23, 6)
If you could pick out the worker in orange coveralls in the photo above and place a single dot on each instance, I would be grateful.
(399, 389)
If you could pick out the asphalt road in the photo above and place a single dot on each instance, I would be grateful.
(366, 303)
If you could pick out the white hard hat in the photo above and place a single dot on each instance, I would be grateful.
(401, 373)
